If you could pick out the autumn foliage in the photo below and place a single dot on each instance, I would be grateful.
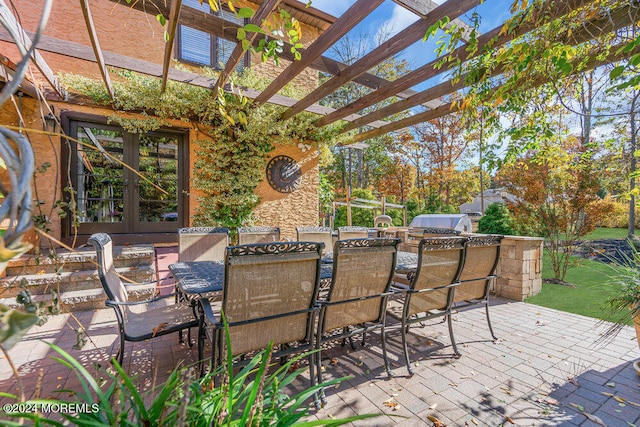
(556, 190)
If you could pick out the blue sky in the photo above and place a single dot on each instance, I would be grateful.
(392, 15)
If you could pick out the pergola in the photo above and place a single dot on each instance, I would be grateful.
(370, 124)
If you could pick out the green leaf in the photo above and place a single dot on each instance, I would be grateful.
(254, 28)
(14, 324)
(161, 19)
(245, 12)
(616, 72)
(241, 34)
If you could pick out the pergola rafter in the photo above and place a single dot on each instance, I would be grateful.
(343, 25)
(495, 37)
(334, 30)
(391, 47)
(452, 107)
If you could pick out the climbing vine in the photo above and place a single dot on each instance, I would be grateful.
(237, 135)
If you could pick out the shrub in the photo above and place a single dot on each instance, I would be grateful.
(496, 220)
(251, 397)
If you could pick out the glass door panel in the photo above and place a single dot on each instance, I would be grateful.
(100, 179)
(157, 187)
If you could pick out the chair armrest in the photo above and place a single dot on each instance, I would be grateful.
(147, 301)
(207, 310)
(399, 288)
(437, 288)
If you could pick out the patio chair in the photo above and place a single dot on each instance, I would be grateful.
(258, 234)
(140, 320)
(439, 232)
(362, 274)
(202, 243)
(352, 232)
(428, 292)
(314, 233)
(482, 256)
(269, 295)
(416, 235)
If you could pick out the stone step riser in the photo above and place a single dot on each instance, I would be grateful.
(70, 266)
(65, 283)
(79, 301)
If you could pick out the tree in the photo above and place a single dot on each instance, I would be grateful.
(445, 145)
(557, 197)
(496, 220)
(399, 180)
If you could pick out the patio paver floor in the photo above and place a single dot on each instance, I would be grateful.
(547, 369)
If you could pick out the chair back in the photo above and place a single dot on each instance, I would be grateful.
(481, 260)
(258, 234)
(440, 262)
(202, 243)
(362, 271)
(111, 282)
(352, 232)
(270, 291)
(314, 233)
(439, 232)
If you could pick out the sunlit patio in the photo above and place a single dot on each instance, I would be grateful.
(548, 368)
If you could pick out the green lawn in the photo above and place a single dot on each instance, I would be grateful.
(594, 284)
(608, 233)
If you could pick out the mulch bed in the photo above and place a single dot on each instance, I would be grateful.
(607, 250)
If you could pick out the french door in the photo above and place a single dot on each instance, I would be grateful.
(126, 183)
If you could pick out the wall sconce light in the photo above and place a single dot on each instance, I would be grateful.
(50, 121)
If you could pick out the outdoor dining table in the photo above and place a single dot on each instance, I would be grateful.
(201, 277)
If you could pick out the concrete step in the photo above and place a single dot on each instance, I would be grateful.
(80, 260)
(86, 299)
(42, 284)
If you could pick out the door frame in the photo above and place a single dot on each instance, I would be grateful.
(182, 134)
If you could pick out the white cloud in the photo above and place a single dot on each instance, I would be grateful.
(400, 19)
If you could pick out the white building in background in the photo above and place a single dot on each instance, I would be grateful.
(497, 195)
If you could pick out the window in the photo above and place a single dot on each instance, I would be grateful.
(198, 47)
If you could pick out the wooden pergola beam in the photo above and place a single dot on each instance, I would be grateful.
(37, 59)
(494, 38)
(172, 25)
(397, 43)
(263, 12)
(218, 27)
(79, 51)
(422, 8)
(95, 44)
(356, 13)
(591, 63)
(7, 72)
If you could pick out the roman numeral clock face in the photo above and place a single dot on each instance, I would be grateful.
(284, 174)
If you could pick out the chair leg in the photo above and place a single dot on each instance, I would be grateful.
(486, 306)
(364, 339)
(405, 330)
(383, 338)
(323, 399)
(453, 340)
(120, 354)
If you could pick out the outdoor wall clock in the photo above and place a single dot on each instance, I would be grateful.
(284, 174)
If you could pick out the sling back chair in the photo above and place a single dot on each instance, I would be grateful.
(202, 243)
(428, 292)
(352, 232)
(482, 256)
(357, 297)
(269, 295)
(258, 234)
(140, 320)
(314, 233)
